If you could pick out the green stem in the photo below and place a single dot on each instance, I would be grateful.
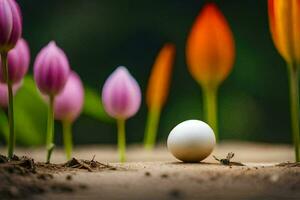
(210, 108)
(11, 139)
(294, 98)
(121, 140)
(151, 128)
(50, 129)
(67, 136)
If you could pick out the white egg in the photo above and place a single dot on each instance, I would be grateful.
(191, 141)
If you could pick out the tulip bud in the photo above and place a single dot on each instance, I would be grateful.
(51, 72)
(10, 24)
(210, 47)
(157, 91)
(121, 94)
(67, 107)
(51, 69)
(210, 55)
(4, 93)
(121, 97)
(18, 62)
(68, 104)
(160, 78)
(10, 33)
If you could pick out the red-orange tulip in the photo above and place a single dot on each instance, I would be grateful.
(157, 92)
(159, 82)
(210, 55)
(210, 47)
(284, 18)
(284, 21)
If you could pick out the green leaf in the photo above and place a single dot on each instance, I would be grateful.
(30, 115)
(3, 125)
(93, 106)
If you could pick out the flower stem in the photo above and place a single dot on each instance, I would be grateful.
(50, 129)
(210, 108)
(151, 128)
(68, 141)
(11, 139)
(294, 98)
(121, 140)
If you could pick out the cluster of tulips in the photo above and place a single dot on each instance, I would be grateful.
(210, 57)
(60, 87)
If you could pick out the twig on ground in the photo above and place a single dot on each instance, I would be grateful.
(288, 164)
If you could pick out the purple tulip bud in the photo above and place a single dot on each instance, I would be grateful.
(51, 69)
(4, 93)
(10, 24)
(68, 104)
(18, 62)
(121, 94)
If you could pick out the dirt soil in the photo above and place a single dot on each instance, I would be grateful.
(152, 175)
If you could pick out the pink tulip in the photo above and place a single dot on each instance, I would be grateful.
(67, 108)
(68, 104)
(51, 72)
(10, 24)
(18, 62)
(51, 69)
(4, 93)
(121, 96)
(10, 33)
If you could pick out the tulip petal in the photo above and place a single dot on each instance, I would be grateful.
(18, 62)
(6, 21)
(10, 24)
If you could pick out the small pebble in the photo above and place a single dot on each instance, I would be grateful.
(164, 176)
(69, 177)
(147, 174)
(274, 178)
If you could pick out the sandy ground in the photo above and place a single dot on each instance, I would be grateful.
(157, 175)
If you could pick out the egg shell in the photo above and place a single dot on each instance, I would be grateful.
(191, 141)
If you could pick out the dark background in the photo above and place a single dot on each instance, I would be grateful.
(99, 35)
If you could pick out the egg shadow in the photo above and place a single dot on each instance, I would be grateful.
(192, 163)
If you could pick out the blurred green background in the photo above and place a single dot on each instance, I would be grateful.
(99, 35)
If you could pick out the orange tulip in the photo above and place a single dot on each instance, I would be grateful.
(159, 82)
(157, 91)
(210, 55)
(210, 47)
(284, 19)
